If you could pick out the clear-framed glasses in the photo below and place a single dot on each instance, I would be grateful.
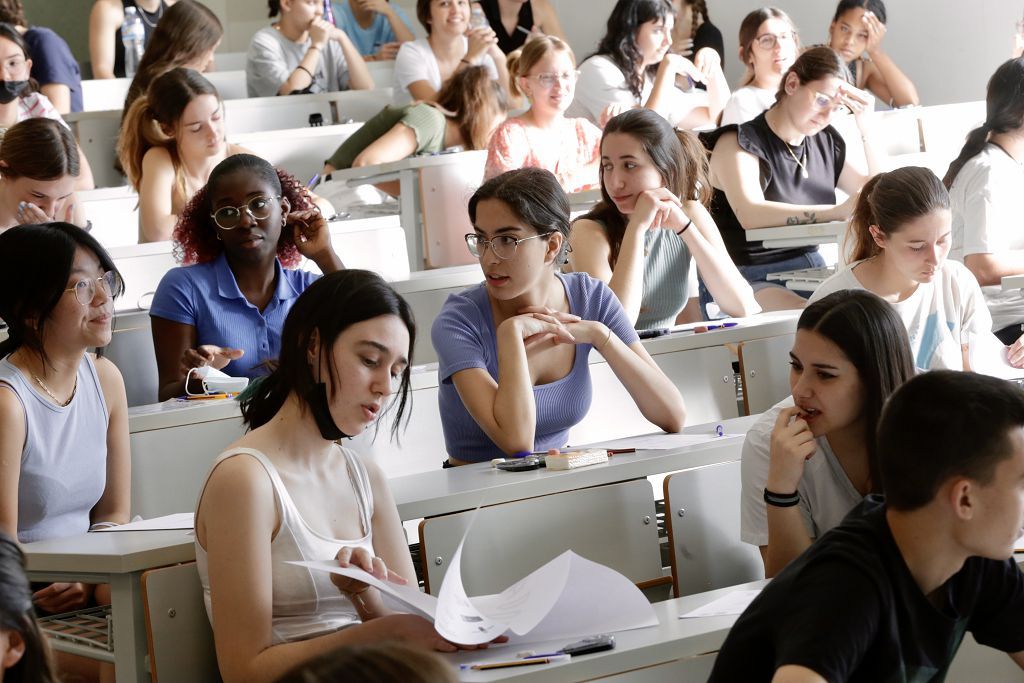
(768, 41)
(823, 102)
(548, 80)
(503, 246)
(85, 289)
(229, 217)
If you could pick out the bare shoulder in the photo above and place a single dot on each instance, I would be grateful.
(108, 11)
(111, 380)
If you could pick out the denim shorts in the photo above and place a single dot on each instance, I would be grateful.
(757, 275)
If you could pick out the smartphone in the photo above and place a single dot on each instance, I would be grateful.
(519, 465)
(589, 645)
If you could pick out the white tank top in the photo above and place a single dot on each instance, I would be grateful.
(305, 603)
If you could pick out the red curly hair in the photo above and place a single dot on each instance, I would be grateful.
(195, 236)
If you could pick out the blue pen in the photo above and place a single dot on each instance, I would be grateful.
(312, 181)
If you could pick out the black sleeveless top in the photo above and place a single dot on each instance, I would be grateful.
(507, 42)
(149, 22)
(822, 154)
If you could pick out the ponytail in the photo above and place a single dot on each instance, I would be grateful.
(477, 101)
(140, 132)
(513, 61)
(858, 242)
(976, 141)
(888, 201)
(264, 399)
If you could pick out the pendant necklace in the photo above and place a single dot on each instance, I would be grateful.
(803, 168)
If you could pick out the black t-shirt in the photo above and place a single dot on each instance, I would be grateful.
(782, 180)
(850, 610)
(708, 35)
(506, 42)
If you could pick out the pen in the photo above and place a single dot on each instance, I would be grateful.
(312, 181)
(530, 661)
(523, 30)
(206, 397)
(617, 451)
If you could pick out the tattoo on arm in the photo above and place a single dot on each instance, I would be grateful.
(808, 218)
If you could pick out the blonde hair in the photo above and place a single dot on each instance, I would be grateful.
(535, 49)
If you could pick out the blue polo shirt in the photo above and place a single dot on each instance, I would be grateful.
(369, 40)
(206, 296)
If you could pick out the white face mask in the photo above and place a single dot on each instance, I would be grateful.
(215, 382)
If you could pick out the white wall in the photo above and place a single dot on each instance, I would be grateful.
(948, 47)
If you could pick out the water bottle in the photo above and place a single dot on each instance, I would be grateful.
(328, 13)
(133, 36)
(477, 18)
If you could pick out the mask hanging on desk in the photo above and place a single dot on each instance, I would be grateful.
(11, 90)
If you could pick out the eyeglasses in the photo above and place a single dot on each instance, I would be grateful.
(85, 289)
(503, 246)
(547, 81)
(768, 41)
(823, 102)
(229, 217)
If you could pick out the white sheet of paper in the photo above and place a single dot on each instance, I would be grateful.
(409, 594)
(728, 605)
(987, 356)
(180, 520)
(660, 441)
(544, 605)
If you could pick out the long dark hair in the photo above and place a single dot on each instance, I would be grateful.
(873, 338)
(18, 615)
(889, 200)
(677, 154)
(1004, 112)
(327, 308)
(619, 41)
(37, 263)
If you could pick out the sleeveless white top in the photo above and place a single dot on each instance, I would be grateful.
(305, 603)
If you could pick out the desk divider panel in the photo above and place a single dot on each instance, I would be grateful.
(613, 525)
(702, 517)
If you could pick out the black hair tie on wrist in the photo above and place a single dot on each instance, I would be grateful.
(685, 228)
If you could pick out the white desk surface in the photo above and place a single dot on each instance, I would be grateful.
(110, 552)
(797, 235)
(441, 491)
(672, 639)
(175, 413)
(1013, 282)
(172, 414)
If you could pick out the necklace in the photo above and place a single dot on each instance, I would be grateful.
(159, 13)
(49, 393)
(803, 169)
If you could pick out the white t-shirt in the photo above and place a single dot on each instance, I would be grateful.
(987, 199)
(826, 493)
(747, 103)
(416, 62)
(939, 316)
(602, 83)
(272, 58)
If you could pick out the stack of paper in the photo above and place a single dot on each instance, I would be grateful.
(555, 601)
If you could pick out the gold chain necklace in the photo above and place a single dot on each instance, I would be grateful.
(803, 169)
(49, 393)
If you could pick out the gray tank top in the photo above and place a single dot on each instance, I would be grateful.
(666, 275)
(64, 462)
